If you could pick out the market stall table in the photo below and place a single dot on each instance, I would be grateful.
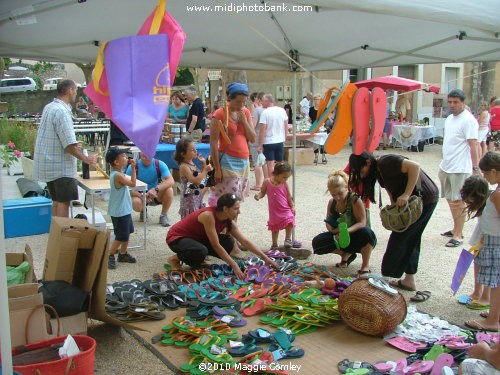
(97, 184)
(408, 135)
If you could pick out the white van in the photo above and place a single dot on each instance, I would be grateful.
(17, 85)
(51, 84)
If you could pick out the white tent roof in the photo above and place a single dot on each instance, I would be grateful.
(328, 37)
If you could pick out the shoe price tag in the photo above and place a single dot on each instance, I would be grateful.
(300, 308)
(227, 319)
(235, 344)
(177, 298)
(204, 339)
(286, 330)
(217, 350)
(140, 309)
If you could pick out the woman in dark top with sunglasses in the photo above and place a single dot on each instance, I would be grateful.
(401, 178)
(210, 231)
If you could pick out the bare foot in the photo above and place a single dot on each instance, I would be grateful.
(174, 262)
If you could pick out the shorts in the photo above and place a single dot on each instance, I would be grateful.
(451, 183)
(274, 151)
(482, 135)
(122, 227)
(64, 189)
(387, 125)
(472, 366)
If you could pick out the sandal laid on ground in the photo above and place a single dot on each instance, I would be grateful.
(421, 296)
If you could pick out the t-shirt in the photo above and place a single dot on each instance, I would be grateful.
(456, 150)
(148, 174)
(313, 113)
(236, 133)
(495, 118)
(256, 115)
(197, 109)
(190, 227)
(275, 118)
(394, 181)
(180, 113)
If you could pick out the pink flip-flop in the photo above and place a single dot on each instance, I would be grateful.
(419, 367)
(441, 361)
(405, 345)
(296, 244)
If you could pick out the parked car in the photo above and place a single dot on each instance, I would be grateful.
(17, 85)
(51, 84)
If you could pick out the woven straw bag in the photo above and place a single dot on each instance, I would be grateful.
(399, 219)
(369, 310)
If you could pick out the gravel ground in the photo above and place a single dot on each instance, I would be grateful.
(118, 352)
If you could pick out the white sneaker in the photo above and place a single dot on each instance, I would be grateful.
(164, 221)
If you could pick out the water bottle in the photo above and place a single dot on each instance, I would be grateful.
(85, 167)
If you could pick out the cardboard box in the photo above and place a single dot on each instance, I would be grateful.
(69, 325)
(304, 155)
(66, 237)
(15, 259)
(89, 269)
(26, 216)
(27, 314)
(100, 222)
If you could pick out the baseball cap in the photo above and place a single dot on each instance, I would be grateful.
(113, 153)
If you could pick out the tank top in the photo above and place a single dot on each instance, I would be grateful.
(120, 202)
(190, 227)
(347, 216)
(490, 220)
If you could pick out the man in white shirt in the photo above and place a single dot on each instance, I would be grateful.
(460, 160)
(305, 104)
(273, 131)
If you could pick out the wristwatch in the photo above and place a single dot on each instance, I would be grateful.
(475, 168)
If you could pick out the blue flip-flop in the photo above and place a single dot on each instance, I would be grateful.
(464, 299)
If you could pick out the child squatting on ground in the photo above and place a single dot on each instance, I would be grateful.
(481, 203)
(120, 205)
(192, 179)
(280, 202)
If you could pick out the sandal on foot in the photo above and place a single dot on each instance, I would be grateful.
(345, 263)
(476, 305)
(399, 284)
(421, 296)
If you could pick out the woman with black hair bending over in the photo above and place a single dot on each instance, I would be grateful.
(210, 231)
(401, 178)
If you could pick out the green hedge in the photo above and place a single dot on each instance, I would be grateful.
(23, 134)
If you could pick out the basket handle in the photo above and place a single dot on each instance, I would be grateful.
(26, 326)
(70, 366)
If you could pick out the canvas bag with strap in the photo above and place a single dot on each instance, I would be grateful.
(399, 219)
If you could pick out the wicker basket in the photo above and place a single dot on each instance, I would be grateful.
(369, 310)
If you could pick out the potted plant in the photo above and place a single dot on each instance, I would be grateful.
(22, 135)
(10, 158)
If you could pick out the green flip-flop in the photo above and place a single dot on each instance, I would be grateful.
(344, 237)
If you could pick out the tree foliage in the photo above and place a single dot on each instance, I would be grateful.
(183, 77)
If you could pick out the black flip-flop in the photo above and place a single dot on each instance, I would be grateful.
(421, 296)
(447, 234)
(454, 243)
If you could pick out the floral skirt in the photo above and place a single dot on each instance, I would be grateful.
(233, 182)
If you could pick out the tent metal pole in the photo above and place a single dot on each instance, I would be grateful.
(4, 299)
(294, 138)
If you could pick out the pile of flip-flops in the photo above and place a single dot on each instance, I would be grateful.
(136, 300)
(303, 312)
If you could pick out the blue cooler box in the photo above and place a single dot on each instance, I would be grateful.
(26, 216)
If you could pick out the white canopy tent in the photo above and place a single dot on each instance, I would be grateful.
(329, 35)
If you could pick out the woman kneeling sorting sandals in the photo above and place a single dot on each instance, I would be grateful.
(346, 207)
(210, 231)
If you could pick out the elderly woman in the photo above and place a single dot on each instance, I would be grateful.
(401, 178)
(210, 231)
(230, 131)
